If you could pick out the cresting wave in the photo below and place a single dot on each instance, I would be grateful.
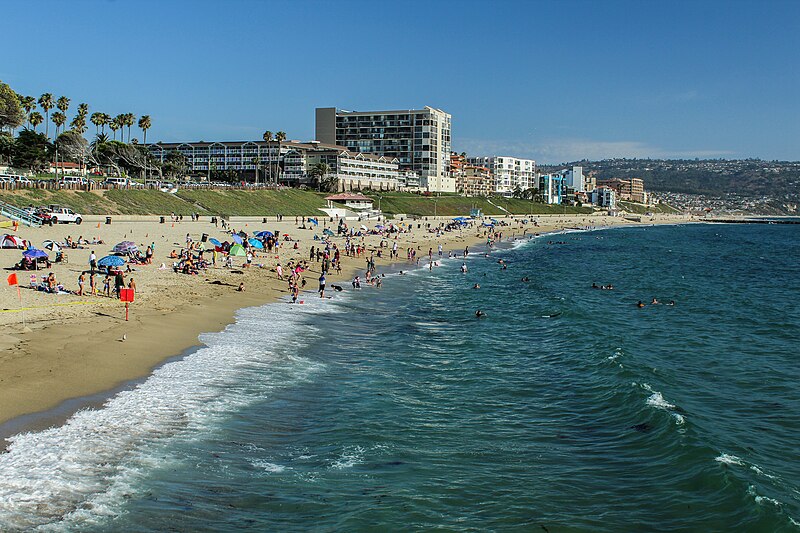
(80, 472)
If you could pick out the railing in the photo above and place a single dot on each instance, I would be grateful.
(20, 215)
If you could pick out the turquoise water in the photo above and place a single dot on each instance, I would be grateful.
(396, 409)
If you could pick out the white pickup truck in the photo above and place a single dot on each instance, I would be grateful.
(62, 215)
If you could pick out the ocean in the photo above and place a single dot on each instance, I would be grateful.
(566, 408)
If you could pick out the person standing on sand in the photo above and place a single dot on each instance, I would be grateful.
(279, 270)
(92, 285)
(322, 285)
(132, 285)
(119, 281)
(81, 280)
(92, 262)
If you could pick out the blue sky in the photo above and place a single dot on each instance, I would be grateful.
(554, 81)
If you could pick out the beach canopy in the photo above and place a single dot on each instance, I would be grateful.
(255, 243)
(237, 239)
(237, 249)
(215, 242)
(33, 253)
(125, 247)
(12, 241)
(262, 234)
(51, 245)
(364, 228)
(111, 260)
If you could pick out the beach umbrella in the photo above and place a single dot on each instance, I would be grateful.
(255, 243)
(125, 247)
(262, 234)
(327, 232)
(111, 260)
(237, 249)
(237, 239)
(215, 242)
(33, 253)
(51, 245)
(12, 241)
(314, 221)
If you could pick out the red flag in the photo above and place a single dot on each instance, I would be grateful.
(12, 279)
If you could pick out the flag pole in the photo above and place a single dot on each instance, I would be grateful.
(21, 308)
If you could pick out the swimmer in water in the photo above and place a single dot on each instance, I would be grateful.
(640, 304)
(479, 314)
(671, 302)
(595, 286)
(476, 286)
(526, 279)
(654, 302)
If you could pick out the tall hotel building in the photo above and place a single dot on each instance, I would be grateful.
(418, 138)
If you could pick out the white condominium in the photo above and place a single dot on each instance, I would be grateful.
(509, 173)
(418, 138)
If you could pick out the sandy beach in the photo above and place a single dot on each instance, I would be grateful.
(72, 346)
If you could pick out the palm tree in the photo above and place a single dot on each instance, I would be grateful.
(46, 103)
(318, 172)
(63, 105)
(59, 119)
(34, 119)
(115, 124)
(83, 110)
(280, 137)
(79, 123)
(128, 120)
(28, 103)
(144, 125)
(268, 139)
(98, 119)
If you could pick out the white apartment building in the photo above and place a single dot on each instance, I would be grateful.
(508, 172)
(418, 138)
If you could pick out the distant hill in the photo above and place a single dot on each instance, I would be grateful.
(714, 177)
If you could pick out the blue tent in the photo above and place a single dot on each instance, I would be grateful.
(34, 253)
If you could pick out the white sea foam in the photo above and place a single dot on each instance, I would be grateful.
(350, 456)
(729, 459)
(272, 468)
(78, 473)
(751, 490)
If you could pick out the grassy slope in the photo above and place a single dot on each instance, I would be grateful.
(290, 202)
(414, 204)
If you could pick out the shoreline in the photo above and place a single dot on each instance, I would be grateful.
(72, 390)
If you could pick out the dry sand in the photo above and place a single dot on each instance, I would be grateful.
(71, 345)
